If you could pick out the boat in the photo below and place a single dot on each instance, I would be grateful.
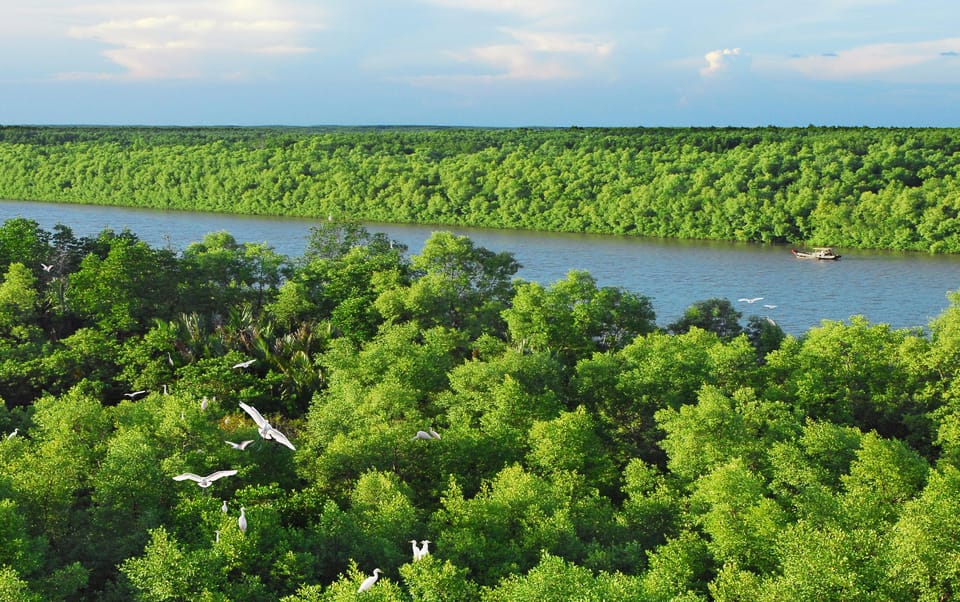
(816, 253)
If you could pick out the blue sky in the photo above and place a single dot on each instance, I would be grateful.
(481, 62)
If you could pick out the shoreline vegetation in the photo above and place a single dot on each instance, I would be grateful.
(866, 188)
(547, 442)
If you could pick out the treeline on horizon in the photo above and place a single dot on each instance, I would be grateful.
(877, 188)
(582, 453)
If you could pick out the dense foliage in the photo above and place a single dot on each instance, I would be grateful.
(847, 187)
(581, 453)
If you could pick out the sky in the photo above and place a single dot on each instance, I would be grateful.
(486, 63)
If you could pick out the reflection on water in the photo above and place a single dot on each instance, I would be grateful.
(901, 289)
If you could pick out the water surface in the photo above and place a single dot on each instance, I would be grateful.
(901, 289)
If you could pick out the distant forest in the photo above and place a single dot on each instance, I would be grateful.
(847, 187)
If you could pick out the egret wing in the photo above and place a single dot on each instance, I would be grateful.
(188, 475)
(281, 438)
(252, 411)
(213, 476)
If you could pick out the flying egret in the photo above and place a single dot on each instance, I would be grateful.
(424, 548)
(245, 364)
(207, 480)
(369, 581)
(46, 268)
(133, 394)
(242, 521)
(751, 300)
(416, 550)
(241, 446)
(768, 306)
(264, 428)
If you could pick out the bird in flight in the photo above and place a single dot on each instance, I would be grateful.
(133, 394)
(264, 428)
(46, 268)
(207, 480)
(768, 306)
(241, 446)
(751, 300)
(245, 364)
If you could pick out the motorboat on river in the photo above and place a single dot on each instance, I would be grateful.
(816, 253)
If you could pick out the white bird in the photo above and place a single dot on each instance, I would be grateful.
(245, 364)
(772, 323)
(13, 433)
(751, 300)
(216, 538)
(165, 390)
(264, 428)
(203, 403)
(223, 507)
(422, 435)
(241, 446)
(242, 521)
(424, 548)
(207, 480)
(416, 550)
(133, 394)
(369, 581)
(768, 306)
(434, 434)
(46, 268)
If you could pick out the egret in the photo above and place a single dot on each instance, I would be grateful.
(770, 320)
(207, 480)
(203, 403)
(223, 507)
(424, 548)
(13, 433)
(46, 268)
(421, 435)
(768, 306)
(241, 446)
(416, 550)
(133, 394)
(245, 364)
(264, 428)
(216, 538)
(434, 434)
(242, 521)
(751, 300)
(369, 581)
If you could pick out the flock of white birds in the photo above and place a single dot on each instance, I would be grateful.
(269, 433)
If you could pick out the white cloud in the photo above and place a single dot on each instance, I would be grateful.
(193, 38)
(723, 60)
(888, 62)
(523, 8)
(534, 56)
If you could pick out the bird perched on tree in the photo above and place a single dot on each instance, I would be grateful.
(369, 581)
(242, 521)
(424, 548)
(207, 480)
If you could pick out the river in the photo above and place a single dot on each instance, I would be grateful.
(900, 289)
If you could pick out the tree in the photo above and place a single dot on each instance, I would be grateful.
(713, 315)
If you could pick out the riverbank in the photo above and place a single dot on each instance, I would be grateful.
(854, 188)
